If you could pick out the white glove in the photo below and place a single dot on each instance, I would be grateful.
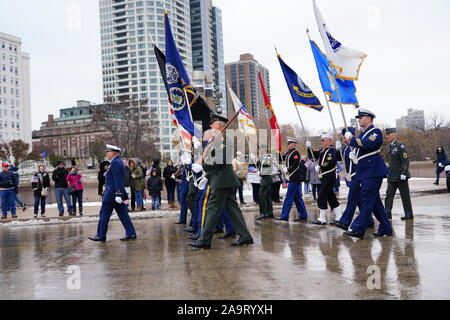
(202, 184)
(338, 145)
(441, 165)
(348, 135)
(173, 177)
(308, 144)
(317, 168)
(197, 168)
(119, 200)
(403, 177)
(133, 176)
(186, 159)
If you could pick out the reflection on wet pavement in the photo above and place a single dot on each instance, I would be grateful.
(288, 261)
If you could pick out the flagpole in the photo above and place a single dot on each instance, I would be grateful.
(304, 131)
(301, 122)
(331, 116)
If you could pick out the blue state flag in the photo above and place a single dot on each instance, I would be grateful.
(178, 82)
(300, 92)
(347, 89)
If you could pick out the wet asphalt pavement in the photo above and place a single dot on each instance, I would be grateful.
(288, 261)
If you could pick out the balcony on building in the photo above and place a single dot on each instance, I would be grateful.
(120, 35)
(121, 56)
(122, 63)
(121, 70)
(121, 42)
(122, 49)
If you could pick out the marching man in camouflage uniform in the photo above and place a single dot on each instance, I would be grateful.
(398, 164)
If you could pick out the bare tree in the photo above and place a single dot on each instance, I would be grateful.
(129, 126)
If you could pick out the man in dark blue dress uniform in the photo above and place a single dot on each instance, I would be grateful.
(115, 197)
(294, 166)
(353, 201)
(370, 171)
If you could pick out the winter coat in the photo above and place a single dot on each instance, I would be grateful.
(127, 177)
(75, 179)
(6, 180)
(156, 167)
(16, 177)
(101, 177)
(138, 181)
(167, 174)
(312, 175)
(441, 162)
(154, 186)
(40, 180)
(59, 176)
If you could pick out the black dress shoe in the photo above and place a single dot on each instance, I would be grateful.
(270, 217)
(218, 231)
(407, 218)
(279, 219)
(227, 235)
(354, 234)
(378, 234)
(261, 217)
(189, 230)
(193, 237)
(97, 239)
(341, 225)
(129, 238)
(179, 222)
(319, 223)
(240, 243)
(300, 219)
(200, 245)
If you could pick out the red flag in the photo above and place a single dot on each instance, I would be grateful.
(273, 119)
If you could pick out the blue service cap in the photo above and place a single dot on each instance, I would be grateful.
(349, 129)
(365, 112)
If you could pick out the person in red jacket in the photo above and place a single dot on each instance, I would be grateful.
(75, 181)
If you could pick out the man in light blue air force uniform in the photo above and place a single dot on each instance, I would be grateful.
(370, 171)
(115, 197)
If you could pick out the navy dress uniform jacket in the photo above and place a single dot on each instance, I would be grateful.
(369, 141)
(114, 184)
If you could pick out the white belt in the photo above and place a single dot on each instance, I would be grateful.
(329, 171)
(349, 177)
(366, 155)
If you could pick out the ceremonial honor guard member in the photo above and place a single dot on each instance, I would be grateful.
(327, 159)
(353, 201)
(115, 197)
(398, 162)
(223, 181)
(294, 167)
(370, 171)
(265, 190)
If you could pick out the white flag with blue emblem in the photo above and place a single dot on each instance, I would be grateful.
(245, 120)
(347, 61)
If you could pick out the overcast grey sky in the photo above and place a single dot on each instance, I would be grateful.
(406, 41)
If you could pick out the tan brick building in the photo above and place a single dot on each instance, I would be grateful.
(71, 134)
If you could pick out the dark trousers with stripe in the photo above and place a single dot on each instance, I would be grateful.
(326, 193)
